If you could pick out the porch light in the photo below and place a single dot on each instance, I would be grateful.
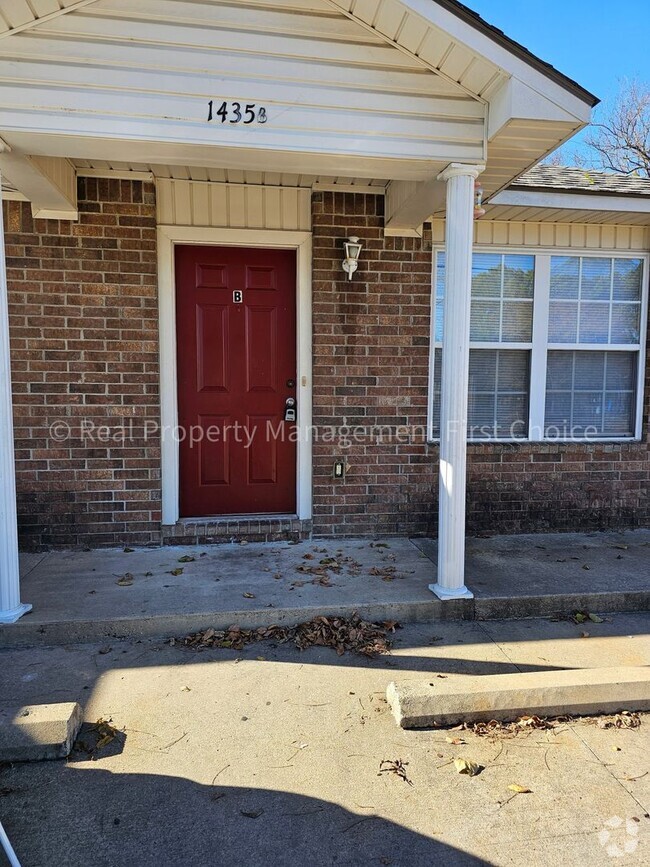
(353, 249)
(479, 210)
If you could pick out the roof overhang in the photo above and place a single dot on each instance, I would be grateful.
(577, 207)
(388, 92)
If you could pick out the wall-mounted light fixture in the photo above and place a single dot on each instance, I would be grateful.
(353, 249)
(479, 210)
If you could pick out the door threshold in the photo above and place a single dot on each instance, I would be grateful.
(247, 516)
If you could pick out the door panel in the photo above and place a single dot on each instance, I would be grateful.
(236, 351)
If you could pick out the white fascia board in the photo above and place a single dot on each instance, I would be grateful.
(489, 49)
(516, 100)
(409, 204)
(49, 183)
(572, 201)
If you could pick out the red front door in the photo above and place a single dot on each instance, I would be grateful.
(236, 353)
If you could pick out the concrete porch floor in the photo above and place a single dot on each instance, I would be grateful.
(76, 597)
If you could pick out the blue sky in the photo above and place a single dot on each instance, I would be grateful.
(594, 42)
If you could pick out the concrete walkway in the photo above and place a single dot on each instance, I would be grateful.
(81, 596)
(272, 756)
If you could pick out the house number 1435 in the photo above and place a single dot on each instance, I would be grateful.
(235, 112)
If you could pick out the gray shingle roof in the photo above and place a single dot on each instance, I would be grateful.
(582, 181)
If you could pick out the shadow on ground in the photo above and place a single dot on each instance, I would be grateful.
(104, 819)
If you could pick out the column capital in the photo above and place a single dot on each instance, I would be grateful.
(456, 170)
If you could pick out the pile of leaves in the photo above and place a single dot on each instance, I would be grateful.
(340, 633)
(623, 720)
(93, 737)
(495, 729)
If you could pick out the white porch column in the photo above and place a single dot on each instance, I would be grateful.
(11, 607)
(455, 380)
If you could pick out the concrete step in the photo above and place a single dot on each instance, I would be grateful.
(33, 733)
(577, 692)
(33, 629)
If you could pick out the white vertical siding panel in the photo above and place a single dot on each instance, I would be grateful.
(546, 235)
(304, 210)
(531, 234)
(483, 233)
(237, 206)
(578, 236)
(164, 202)
(563, 235)
(608, 236)
(200, 205)
(273, 216)
(636, 237)
(218, 205)
(255, 207)
(592, 237)
(516, 233)
(182, 203)
(289, 207)
(501, 233)
(622, 236)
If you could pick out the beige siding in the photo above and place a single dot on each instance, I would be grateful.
(587, 236)
(232, 206)
(327, 83)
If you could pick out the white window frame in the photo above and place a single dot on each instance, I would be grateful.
(540, 345)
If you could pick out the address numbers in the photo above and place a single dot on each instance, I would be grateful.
(236, 112)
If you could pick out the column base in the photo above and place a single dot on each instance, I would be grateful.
(15, 613)
(451, 593)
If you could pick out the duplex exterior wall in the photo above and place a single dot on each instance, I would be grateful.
(84, 346)
(84, 340)
(371, 359)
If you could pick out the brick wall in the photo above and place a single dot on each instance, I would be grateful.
(84, 345)
(84, 339)
(371, 348)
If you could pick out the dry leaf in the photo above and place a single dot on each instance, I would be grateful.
(186, 559)
(465, 766)
(520, 790)
(125, 580)
(175, 572)
(455, 741)
(249, 596)
(596, 619)
(340, 633)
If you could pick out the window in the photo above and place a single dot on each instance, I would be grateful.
(556, 346)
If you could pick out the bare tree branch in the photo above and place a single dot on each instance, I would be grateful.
(621, 141)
